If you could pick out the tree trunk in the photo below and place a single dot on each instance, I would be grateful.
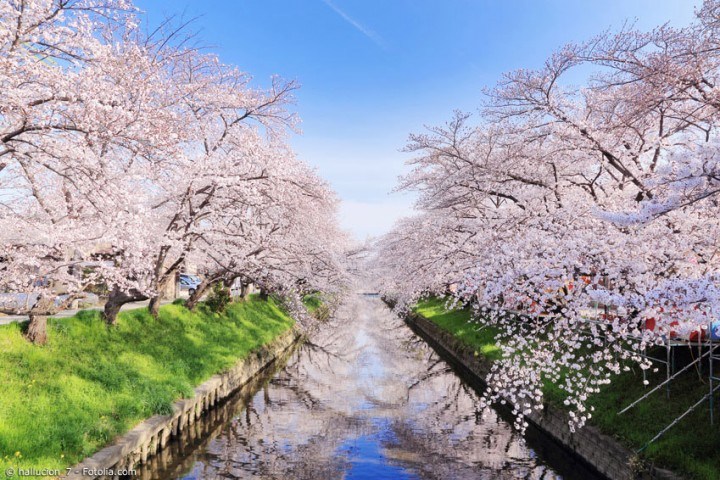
(264, 295)
(116, 300)
(200, 290)
(111, 310)
(154, 306)
(245, 291)
(37, 329)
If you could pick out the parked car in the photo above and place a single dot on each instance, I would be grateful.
(189, 282)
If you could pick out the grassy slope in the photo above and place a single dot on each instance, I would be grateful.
(312, 302)
(316, 306)
(64, 401)
(458, 323)
(692, 447)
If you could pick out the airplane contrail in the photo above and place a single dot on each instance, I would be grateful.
(358, 26)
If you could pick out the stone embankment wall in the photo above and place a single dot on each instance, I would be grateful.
(602, 452)
(151, 436)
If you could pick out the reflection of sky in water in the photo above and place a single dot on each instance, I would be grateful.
(365, 398)
(368, 461)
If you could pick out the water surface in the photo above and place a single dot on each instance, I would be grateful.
(365, 398)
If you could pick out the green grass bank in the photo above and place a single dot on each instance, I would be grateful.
(691, 448)
(64, 401)
(317, 305)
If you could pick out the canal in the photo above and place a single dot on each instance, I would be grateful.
(364, 398)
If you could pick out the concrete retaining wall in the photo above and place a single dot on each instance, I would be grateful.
(602, 452)
(152, 435)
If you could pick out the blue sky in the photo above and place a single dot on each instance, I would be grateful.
(373, 71)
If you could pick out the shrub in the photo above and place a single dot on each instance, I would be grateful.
(219, 298)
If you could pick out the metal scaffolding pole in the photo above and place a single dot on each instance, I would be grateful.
(713, 379)
(674, 422)
(669, 379)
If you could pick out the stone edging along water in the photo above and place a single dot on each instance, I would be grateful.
(151, 436)
(601, 452)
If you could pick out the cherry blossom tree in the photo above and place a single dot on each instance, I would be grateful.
(284, 239)
(124, 155)
(225, 168)
(83, 107)
(563, 198)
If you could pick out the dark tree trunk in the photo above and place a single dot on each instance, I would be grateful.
(111, 310)
(115, 302)
(264, 295)
(200, 290)
(37, 329)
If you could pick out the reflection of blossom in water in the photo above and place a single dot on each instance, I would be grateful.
(364, 398)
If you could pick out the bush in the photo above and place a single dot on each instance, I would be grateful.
(219, 298)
